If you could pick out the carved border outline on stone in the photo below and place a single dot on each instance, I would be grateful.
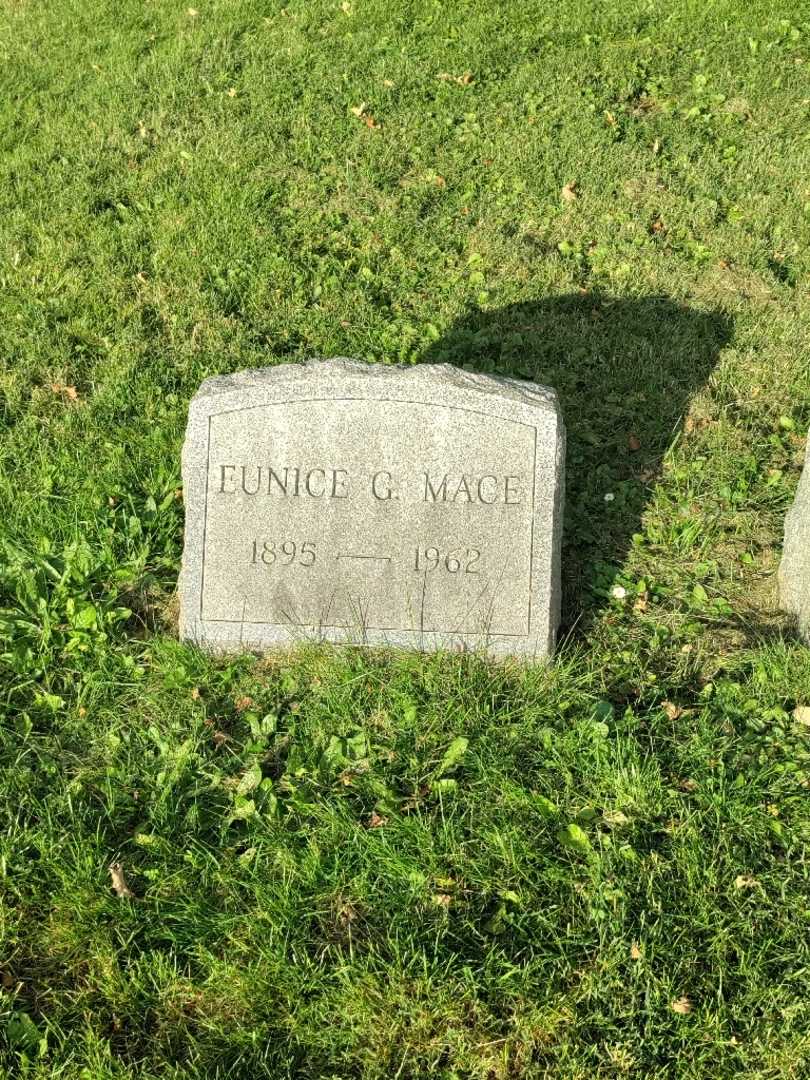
(342, 626)
(508, 397)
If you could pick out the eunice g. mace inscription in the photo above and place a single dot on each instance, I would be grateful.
(376, 505)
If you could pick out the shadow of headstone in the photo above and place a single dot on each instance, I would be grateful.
(625, 370)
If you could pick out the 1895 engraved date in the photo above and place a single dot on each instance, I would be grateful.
(285, 552)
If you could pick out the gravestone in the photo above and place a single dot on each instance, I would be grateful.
(368, 504)
(794, 569)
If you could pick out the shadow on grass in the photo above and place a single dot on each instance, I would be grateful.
(625, 370)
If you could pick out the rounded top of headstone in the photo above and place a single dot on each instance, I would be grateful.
(340, 368)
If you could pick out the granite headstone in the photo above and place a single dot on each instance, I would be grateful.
(794, 569)
(371, 504)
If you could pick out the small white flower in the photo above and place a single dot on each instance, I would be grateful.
(609, 496)
(618, 592)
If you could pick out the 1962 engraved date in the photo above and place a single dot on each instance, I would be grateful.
(459, 560)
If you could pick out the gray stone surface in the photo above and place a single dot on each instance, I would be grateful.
(368, 504)
(794, 569)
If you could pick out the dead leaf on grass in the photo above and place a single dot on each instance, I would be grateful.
(569, 192)
(801, 714)
(461, 80)
(376, 821)
(633, 443)
(361, 112)
(69, 392)
(672, 710)
(681, 1005)
(119, 882)
(745, 881)
(635, 952)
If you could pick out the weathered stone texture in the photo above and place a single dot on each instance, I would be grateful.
(334, 500)
(794, 569)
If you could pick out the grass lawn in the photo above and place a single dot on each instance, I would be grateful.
(355, 864)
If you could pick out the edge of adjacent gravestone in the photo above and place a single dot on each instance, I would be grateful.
(513, 396)
(794, 567)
